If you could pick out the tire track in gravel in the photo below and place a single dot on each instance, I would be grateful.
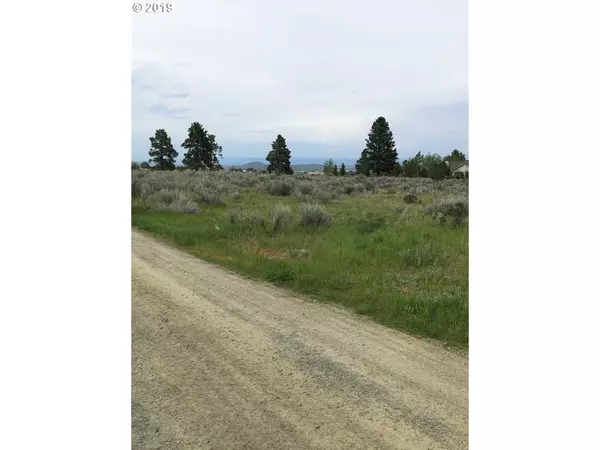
(222, 362)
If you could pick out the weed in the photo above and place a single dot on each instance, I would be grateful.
(419, 256)
(257, 220)
(235, 216)
(371, 223)
(300, 253)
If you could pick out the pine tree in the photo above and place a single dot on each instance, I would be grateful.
(379, 156)
(162, 153)
(203, 152)
(279, 157)
(343, 170)
(335, 170)
(363, 165)
(455, 156)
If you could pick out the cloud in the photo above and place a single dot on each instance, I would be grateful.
(167, 110)
(317, 72)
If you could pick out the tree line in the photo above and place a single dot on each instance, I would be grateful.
(379, 156)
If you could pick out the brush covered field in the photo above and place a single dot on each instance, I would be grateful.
(395, 249)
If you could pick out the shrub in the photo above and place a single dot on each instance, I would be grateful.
(209, 197)
(370, 185)
(245, 181)
(313, 214)
(455, 208)
(280, 215)
(162, 197)
(136, 188)
(146, 189)
(323, 196)
(385, 182)
(411, 198)
(305, 198)
(167, 200)
(185, 205)
(357, 188)
(280, 187)
(306, 188)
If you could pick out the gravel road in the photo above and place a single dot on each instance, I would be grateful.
(221, 362)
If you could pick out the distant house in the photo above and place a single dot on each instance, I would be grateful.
(458, 168)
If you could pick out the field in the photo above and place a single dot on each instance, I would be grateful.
(395, 249)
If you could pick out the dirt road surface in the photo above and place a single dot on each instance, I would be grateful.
(221, 362)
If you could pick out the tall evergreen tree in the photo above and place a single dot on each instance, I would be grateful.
(455, 156)
(162, 153)
(363, 165)
(203, 152)
(379, 156)
(343, 170)
(279, 157)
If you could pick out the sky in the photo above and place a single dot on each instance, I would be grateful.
(319, 72)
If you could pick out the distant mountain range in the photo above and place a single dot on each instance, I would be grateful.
(296, 160)
(257, 165)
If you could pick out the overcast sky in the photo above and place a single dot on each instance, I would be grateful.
(319, 72)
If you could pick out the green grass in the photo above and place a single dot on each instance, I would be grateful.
(378, 255)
